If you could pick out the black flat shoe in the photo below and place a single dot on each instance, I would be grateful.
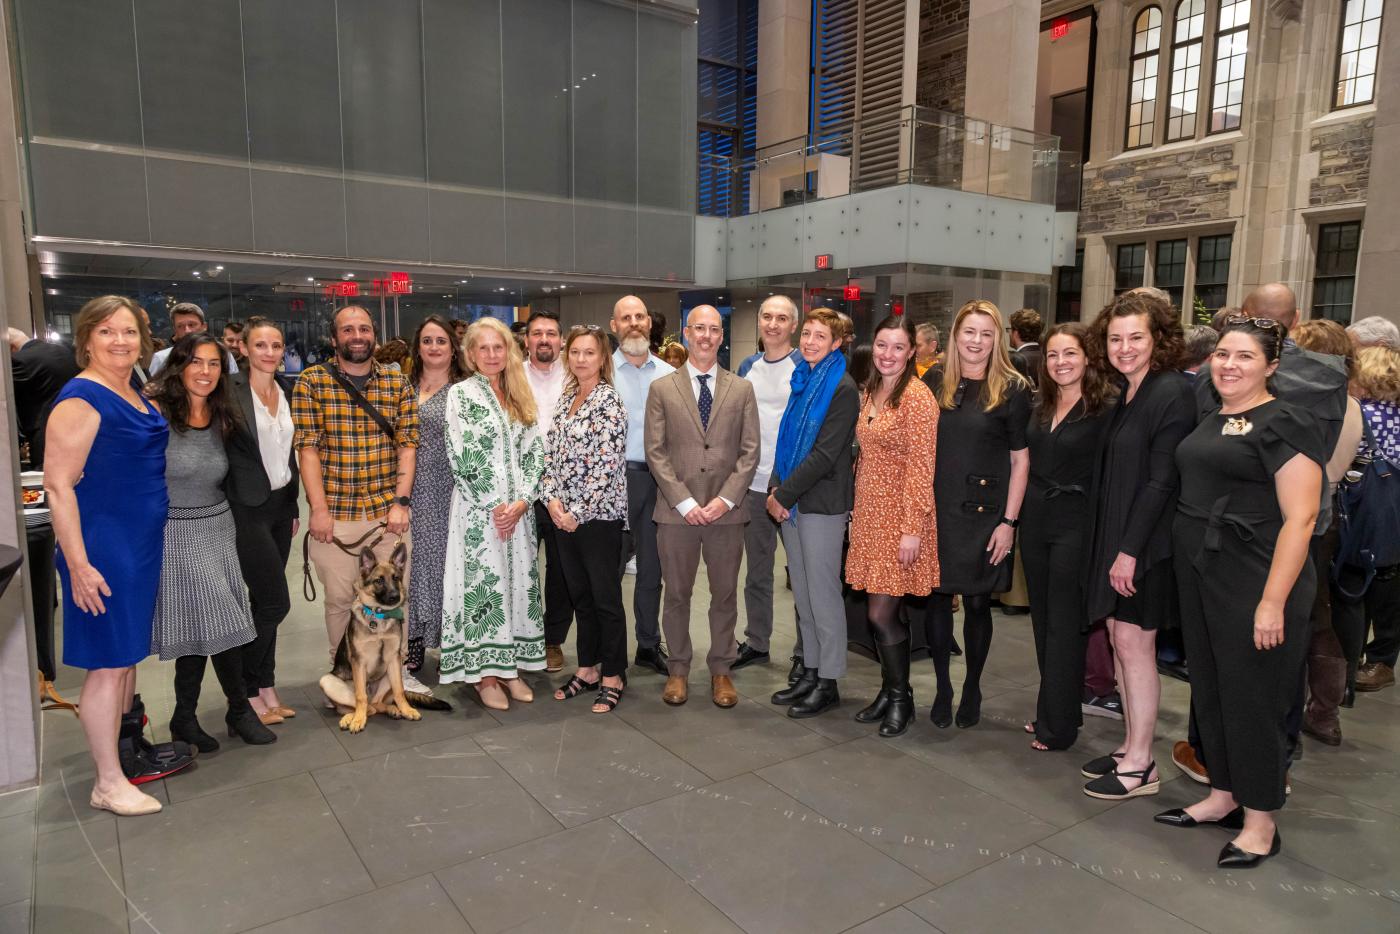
(1100, 766)
(1232, 857)
(969, 711)
(748, 656)
(1177, 817)
(941, 713)
(653, 658)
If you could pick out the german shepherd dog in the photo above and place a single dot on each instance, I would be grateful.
(367, 676)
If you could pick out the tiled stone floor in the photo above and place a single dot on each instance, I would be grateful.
(671, 821)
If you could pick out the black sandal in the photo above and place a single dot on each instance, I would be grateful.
(575, 686)
(608, 697)
(1111, 788)
(1103, 765)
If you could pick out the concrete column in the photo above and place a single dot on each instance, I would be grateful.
(1378, 269)
(1003, 42)
(19, 700)
(784, 69)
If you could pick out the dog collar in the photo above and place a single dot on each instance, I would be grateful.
(372, 613)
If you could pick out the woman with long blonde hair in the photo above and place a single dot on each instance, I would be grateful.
(492, 617)
(979, 482)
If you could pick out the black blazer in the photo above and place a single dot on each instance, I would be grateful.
(824, 483)
(247, 483)
(40, 371)
(1026, 359)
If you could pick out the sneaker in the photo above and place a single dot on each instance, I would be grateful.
(1373, 676)
(631, 567)
(1110, 706)
(1185, 758)
(413, 686)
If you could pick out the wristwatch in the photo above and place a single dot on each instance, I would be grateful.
(1014, 523)
(403, 501)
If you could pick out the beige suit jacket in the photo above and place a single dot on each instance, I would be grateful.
(687, 461)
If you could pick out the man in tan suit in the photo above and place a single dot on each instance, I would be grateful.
(702, 447)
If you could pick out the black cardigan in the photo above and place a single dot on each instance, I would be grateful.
(824, 483)
(247, 483)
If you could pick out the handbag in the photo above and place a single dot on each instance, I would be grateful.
(1368, 515)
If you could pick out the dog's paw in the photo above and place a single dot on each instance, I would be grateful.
(352, 722)
(408, 713)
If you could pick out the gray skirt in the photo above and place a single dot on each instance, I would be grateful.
(202, 606)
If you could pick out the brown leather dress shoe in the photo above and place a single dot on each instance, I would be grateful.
(676, 691)
(722, 691)
(1185, 758)
(1373, 676)
(553, 658)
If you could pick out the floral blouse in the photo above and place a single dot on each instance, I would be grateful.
(1384, 419)
(585, 456)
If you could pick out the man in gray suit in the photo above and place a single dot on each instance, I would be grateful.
(702, 447)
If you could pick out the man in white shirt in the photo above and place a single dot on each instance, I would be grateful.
(770, 372)
(544, 368)
(187, 318)
(702, 446)
(635, 368)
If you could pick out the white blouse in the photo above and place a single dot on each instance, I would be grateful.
(275, 440)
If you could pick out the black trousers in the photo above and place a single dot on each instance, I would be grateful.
(641, 541)
(588, 556)
(558, 606)
(1241, 696)
(1052, 553)
(1378, 610)
(263, 537)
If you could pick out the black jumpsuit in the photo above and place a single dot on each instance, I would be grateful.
(1055, 524)
(1226, 527)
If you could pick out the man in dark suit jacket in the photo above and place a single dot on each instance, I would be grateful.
(40, 370)
(1026, 328)
(702, 439)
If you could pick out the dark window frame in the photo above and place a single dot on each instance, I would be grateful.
(1216, 281)
(1337, 78)
(1140, 264)
(1180, 48)
(1335, 231)
(1152, 51)
(1220, 36)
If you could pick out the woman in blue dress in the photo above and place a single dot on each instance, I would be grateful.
(104, 474)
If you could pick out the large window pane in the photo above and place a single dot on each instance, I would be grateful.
(192, 101)
(462, 73)
(1186, 69)
(537, 92)
(1213, 271)
(1132, 263)
(1357, 52)
(1334, 285)
(1169, 269)
(381, 87)
(666, 107)
(1142, 77)
(1231, 53)
(293, 82)
(605, 102)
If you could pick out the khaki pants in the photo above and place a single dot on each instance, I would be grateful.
(338, 572)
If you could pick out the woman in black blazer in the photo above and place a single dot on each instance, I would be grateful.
(262, 490)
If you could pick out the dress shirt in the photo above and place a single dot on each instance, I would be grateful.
(689, 503)
(632, 384)
(275, 439)
(547, 386)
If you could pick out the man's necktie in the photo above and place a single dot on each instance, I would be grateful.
(706, 400)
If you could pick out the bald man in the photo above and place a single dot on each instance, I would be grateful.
(635, 368)
(702, 440)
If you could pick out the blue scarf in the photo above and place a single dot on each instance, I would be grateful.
(812, 389)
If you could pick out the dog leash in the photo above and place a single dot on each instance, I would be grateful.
(308, 584)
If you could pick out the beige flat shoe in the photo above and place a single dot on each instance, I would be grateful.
(286, 713)
(492, 697)
(269, 718)
(139, 804)
(519, 690)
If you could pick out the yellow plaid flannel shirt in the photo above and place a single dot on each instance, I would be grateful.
(359, 465)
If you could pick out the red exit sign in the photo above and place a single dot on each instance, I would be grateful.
(397, 283)
(1059, 29)
(825, 261)
(851, 293)
(342, 290)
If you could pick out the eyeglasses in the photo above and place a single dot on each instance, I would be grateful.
(585, 329)
(1267, 324)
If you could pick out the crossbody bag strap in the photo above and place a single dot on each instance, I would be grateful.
(359, 399)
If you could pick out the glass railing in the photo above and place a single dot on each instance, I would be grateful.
(915, 145)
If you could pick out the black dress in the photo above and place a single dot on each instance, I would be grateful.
(970, 480)
(1055, 526)
(1225, 531)
(1135, 491)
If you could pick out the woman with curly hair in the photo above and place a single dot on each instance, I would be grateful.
(492, 615)
(1138, 340)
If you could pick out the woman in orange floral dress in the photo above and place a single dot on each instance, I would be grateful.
(894, 546)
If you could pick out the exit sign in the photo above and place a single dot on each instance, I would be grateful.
(1059, 28)
(824, 261)
(851, 293)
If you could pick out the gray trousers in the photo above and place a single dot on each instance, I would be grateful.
(681, 547)
(646, 588)
(813, 546)
(760, 545)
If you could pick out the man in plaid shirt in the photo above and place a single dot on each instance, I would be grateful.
(355, 475)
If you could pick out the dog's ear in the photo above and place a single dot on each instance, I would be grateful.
(399, 558)
(367, 561)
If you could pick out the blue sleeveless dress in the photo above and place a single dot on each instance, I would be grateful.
(122, 505)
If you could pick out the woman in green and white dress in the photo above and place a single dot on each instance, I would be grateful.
(492, 617)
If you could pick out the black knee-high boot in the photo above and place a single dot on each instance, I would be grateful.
(977, 642)
(938, 630)
(189, 675)
(894, 670)
(242, 720)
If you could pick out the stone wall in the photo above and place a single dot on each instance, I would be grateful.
(939, 19)
(1344, 162)
(942, 79)
(1174, 188)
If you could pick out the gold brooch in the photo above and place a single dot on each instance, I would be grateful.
(1237, 427)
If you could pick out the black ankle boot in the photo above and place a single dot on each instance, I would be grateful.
(899, 712)
(820, 699)
(799, 689)
(242, 721)
(941, 713)
(970, 708)
(184, 726)
(881, 703)
(143, 761)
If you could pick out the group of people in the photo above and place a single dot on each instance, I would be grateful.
(1144, 492)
